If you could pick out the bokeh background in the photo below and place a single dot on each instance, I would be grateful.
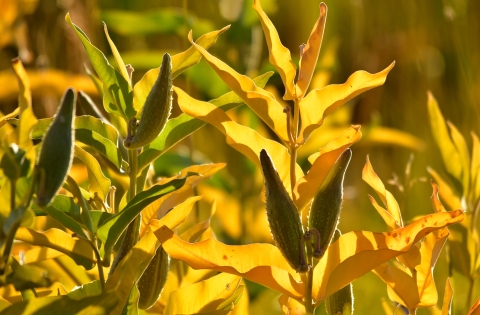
(435, 44)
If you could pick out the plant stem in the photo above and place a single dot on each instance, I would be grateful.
(133, 162)
(97, 257)
(13, 183)
(133, 229)
(470, 291)
(309, 307)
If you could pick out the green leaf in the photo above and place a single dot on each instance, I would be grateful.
(93, 288)
(158, 21)
(65, 211)
(95, 305)
(99, 218)
(110, 232)
(14, 163)
(118, 89)
(183, 125)
(98, 183)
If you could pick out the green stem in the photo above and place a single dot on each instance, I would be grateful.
(133, 229)
(85, 214)
(309, 306)
(470, 291)
(97, 257)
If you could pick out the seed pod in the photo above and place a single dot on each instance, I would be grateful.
(56, 154)
(153, 280)
(340, 302)
(326, 206)
(156, 109)
(283, 217)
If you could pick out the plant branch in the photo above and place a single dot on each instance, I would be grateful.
(97, 257)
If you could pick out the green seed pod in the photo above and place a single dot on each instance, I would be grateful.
(283, 217)
(153, 280)
(326, 206)
(340, 302)
(156, 109)
(56, 154)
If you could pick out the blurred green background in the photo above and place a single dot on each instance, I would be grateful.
(436, 46)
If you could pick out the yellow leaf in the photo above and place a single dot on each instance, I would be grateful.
(386, 216)
(474, 171)
(475, 310)
(159, 207)
(39, 254)
(450, 156)
(291, 306)
(203, 296)
(447, 193)
(3, 120)
(261, 263)
(180, 62)
(371, 178)
(27, 117)
(358, 252)
(260, 101)
(121, 65)
(58, 240)
(245, 140)
(462, 149)
(309, 58)
(53, 81)
(308, 185)
(279, 55)
(447, 298)
(319, 103)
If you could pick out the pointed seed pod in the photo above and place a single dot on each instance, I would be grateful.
(326, 206)
(156, 109)
(153, 280)
(282, 214)
(340, 302)
(56, 154)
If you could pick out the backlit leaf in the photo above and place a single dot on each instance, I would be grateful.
(279, 55)
(98, 183)
(245, 140)
(307, 186)
(110, 232)
(180, 63)
(118, 89)
(475, 167)
(447, 298)
(132, 266)
(116, 55)
(204, 296)
(291, 306)
(371, 178)
(358, 252)
(162, 205)
(183, 125)
(78, 249)
(27, 117)
(447, 192)
(475, 310)
(320, 103)
(95, 305)
(450, 156)
(464, 155)
(260, 101)
(261, 263)
(309, 58)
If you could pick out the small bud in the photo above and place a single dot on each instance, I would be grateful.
(156, 109)
(56, 154)
(282, 214)
(325, 210)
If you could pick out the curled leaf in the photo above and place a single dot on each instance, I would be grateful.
(279, 55)
(319, 103)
